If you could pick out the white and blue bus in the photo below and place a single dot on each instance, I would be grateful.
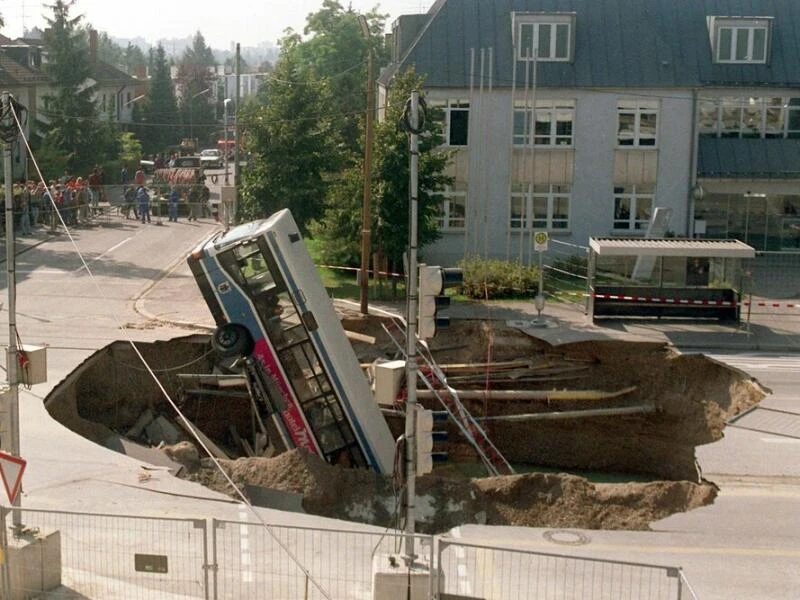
(271, 308)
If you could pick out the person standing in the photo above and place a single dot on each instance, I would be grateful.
(123, 176)
(23, 201)
(174, 197)
(129, 203)
(37, 200)
(194, 203)
(94, 188)
(143, 200)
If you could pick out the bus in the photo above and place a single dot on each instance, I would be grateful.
(273, 313)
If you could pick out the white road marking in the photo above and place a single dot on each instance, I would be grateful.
(781, 440)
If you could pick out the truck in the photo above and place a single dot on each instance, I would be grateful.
(188, 177)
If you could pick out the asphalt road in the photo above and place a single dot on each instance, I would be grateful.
(745, 546)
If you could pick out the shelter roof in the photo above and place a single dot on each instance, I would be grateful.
(671, 247)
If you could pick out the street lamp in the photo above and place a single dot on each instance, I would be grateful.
(225, 136)
(365, 211)
(191, 104)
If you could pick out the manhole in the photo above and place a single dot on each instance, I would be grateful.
(566, 537)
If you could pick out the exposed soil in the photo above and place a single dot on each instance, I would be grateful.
(692, 397)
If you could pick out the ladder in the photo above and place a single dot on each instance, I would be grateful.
(436, 381)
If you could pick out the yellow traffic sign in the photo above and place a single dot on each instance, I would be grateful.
(540, 239)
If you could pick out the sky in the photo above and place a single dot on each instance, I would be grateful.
(222, 22)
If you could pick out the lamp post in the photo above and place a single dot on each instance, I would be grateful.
(365, 212)
(191, 105)
(225, 135)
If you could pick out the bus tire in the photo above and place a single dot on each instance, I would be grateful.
(214, 178)
(232, 340)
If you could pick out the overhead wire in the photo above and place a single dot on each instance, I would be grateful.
(187, 424)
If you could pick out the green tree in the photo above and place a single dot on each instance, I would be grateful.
(340, 227)
(292, 144)
(74, 129)
(392, 174)
(338, 51)
(197, 81)
(157, 115)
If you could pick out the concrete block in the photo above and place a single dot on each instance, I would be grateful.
(35, 564)
(391, 579)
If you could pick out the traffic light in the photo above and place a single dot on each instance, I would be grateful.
(432, 283)
(423, 433)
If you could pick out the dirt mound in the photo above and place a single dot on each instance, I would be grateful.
(444, 502)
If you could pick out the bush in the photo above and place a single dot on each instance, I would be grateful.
(485, 278)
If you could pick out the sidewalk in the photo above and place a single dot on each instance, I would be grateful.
(563, 323)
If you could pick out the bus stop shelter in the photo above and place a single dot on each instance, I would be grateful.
(671, 277)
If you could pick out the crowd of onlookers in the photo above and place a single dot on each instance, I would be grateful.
(71, 200)
(77, 201)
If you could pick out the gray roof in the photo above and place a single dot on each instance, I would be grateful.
(625, 43)
(748, 158)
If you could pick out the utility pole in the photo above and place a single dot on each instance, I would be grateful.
(236, 136)
(366, 219)
(11, 280)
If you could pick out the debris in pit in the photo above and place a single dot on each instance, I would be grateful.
(110, 392)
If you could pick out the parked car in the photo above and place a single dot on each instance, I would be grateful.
(211, 158)
(148, 166)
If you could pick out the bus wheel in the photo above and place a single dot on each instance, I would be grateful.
(232, 340)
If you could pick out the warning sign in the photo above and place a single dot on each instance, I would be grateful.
(11, 470)
(540, 239)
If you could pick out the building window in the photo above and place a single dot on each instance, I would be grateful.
(769, 117)
(554, 121)
(544, 37)
(637, 123)
(541, 206)
(740, 40)
(456, 120)
(633, 206)
(453, 209)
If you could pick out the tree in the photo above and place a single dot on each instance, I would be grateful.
(292, 143)
(195, 73)
(337, 52)
(73, 128)
(340, 227)
(158, 116)
(392, 192)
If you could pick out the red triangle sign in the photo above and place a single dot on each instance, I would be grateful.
(11, 469)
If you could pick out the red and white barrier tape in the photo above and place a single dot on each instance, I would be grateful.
(657, 300)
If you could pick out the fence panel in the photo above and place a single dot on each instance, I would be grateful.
(487, 573)
(113, 556)
(266, 562)
(774, 275)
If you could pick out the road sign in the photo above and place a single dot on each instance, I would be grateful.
(540, 239)
(11, 470)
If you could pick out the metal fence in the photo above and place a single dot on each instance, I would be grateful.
(102, 556)
(774, 275)
(501, 574)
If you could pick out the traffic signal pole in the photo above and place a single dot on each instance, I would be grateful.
(411, 331)
(11, 281)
